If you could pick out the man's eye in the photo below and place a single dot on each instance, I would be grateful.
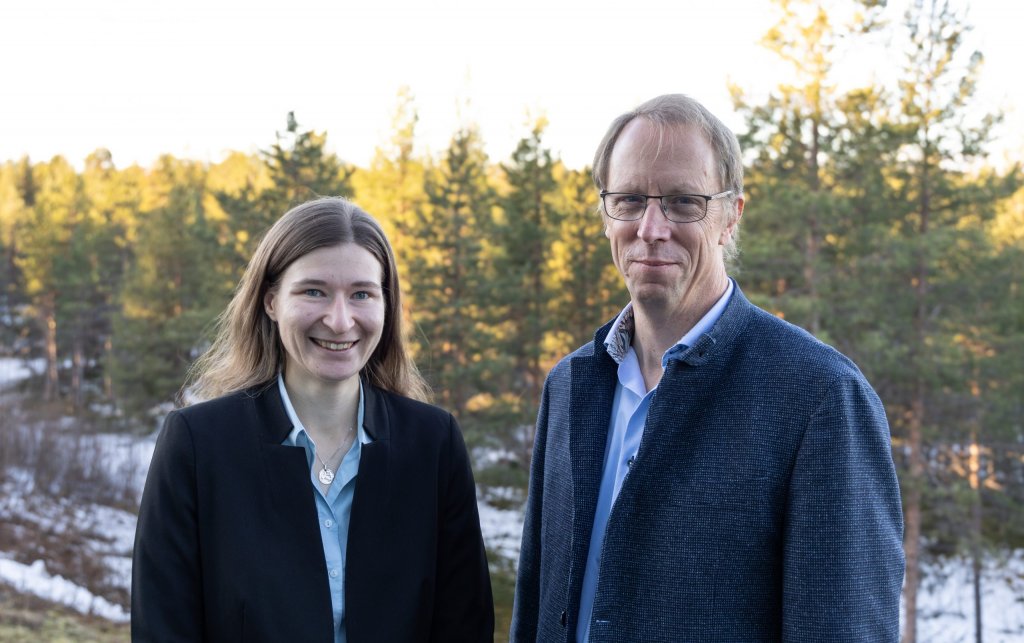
(685, 200)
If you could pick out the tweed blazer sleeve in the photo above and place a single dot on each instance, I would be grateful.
(843, 555)
(762, 504)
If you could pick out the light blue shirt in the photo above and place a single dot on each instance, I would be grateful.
(629, 414)
(335, 509)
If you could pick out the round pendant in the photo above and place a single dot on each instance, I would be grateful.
(326, 476)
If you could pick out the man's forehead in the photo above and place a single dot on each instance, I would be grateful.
(656, 140)
(672, 151)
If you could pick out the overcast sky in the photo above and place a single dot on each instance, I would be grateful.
(197, 78)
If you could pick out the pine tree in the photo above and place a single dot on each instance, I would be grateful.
(12, 287)
(451, 274)
(44, 238)
(524, 293)
(392, 191)
(588, 288)
(299, 168)
(936, 88)
(792, 181)
(172, 291)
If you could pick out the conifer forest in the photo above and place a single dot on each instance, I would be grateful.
(875, 219)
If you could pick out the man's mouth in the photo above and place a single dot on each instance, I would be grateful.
(332, 346)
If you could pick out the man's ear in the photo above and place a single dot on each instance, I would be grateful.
(727, 233)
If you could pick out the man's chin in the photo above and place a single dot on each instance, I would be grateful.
(652, 294)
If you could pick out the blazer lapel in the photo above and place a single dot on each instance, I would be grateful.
(370, 502)
(292, 505)
(592, 393)
(286, 466)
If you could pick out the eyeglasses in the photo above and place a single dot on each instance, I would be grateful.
(678, 208)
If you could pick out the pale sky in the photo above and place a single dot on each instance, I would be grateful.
(199, 78)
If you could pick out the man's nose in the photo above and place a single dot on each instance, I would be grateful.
(654, 225)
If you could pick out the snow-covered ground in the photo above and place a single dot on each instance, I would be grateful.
(946, 601)
(34, 579)
(946, 613)
(13, 369)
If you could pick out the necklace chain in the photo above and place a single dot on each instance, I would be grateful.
(326, 474)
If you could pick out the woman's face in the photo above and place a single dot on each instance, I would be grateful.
(329, 307)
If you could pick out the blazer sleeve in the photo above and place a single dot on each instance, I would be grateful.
(464, 606)
(166, 583)
(526, 606)
(843, 553)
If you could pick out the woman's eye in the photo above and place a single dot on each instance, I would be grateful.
(313, 292)
(362, 294)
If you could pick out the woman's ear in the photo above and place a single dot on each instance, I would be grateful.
(268, 305)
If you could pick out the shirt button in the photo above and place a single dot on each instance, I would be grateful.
(334, 573)
(328, 523)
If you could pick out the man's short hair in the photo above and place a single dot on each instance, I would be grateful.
(680, 110)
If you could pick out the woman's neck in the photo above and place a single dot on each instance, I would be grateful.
(326, 412)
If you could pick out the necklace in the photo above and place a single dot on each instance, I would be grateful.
(326, 475)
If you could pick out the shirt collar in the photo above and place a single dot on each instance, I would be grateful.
(298, 430)
(620, 337)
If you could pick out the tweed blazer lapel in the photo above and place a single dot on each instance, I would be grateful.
(687, 390)
(592, 393)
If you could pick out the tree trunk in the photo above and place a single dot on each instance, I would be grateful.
(976, 524)
(915, 439)
(912, 519)
(812, 242)
(77, 374)
(108, 381)
(51, 389)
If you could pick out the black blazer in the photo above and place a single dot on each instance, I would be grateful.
(228, 546)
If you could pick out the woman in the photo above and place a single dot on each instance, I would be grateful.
(312, 497)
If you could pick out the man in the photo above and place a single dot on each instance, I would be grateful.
(703, 471)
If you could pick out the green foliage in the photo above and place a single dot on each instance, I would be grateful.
(298, 168)
(865, 225)
(523, 293)
(872, 219)
(172, 290)
(450, 277)
(392, 189)
(15, 334)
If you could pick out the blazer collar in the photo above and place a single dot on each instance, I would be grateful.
(276, 425)
(592, 393)
(718, 338)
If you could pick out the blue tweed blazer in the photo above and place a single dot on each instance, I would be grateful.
(763, 504)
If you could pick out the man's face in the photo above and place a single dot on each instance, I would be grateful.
(664, 264)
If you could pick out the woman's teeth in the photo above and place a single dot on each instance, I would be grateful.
(333, 346)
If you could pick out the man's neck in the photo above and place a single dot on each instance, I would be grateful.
(658, 328)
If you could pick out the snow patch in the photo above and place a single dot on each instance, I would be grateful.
(34, 579)
(13, 369)
(502, 529)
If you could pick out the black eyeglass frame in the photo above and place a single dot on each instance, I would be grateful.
(661, 202)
